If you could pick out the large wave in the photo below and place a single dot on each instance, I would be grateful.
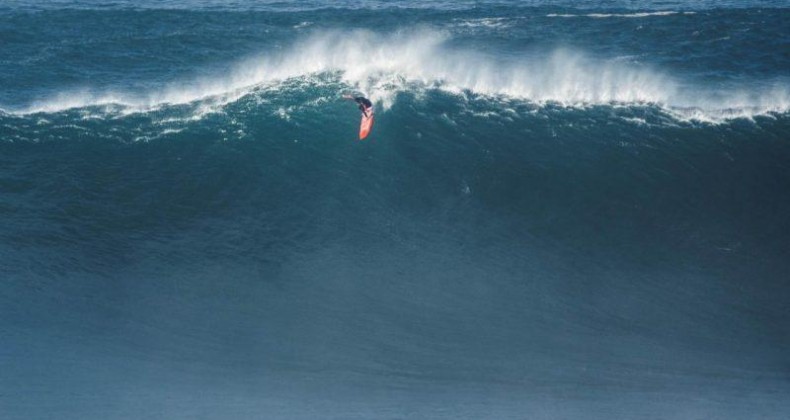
(382, 65)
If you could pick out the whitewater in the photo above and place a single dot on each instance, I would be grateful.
(384, 64)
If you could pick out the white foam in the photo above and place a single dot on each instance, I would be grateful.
(383, 65)
(620, 15)
(484, 23)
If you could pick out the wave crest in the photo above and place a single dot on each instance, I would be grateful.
(383, 65)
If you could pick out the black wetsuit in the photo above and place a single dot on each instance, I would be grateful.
(364, 104)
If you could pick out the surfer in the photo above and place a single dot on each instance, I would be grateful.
(363, 102)
(367, 114)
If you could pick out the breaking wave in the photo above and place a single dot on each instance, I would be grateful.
(382, 65)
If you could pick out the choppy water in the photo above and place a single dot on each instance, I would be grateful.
(563, 211)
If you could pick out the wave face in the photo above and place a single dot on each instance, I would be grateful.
(561, 212)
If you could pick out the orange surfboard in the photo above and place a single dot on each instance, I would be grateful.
(366, 124)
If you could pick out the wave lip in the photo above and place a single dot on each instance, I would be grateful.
(381, 65)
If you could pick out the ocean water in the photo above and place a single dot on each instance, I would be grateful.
(565, 210)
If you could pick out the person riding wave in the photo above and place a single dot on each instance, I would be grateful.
(363, 102)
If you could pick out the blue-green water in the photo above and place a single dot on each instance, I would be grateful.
(563, 210)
